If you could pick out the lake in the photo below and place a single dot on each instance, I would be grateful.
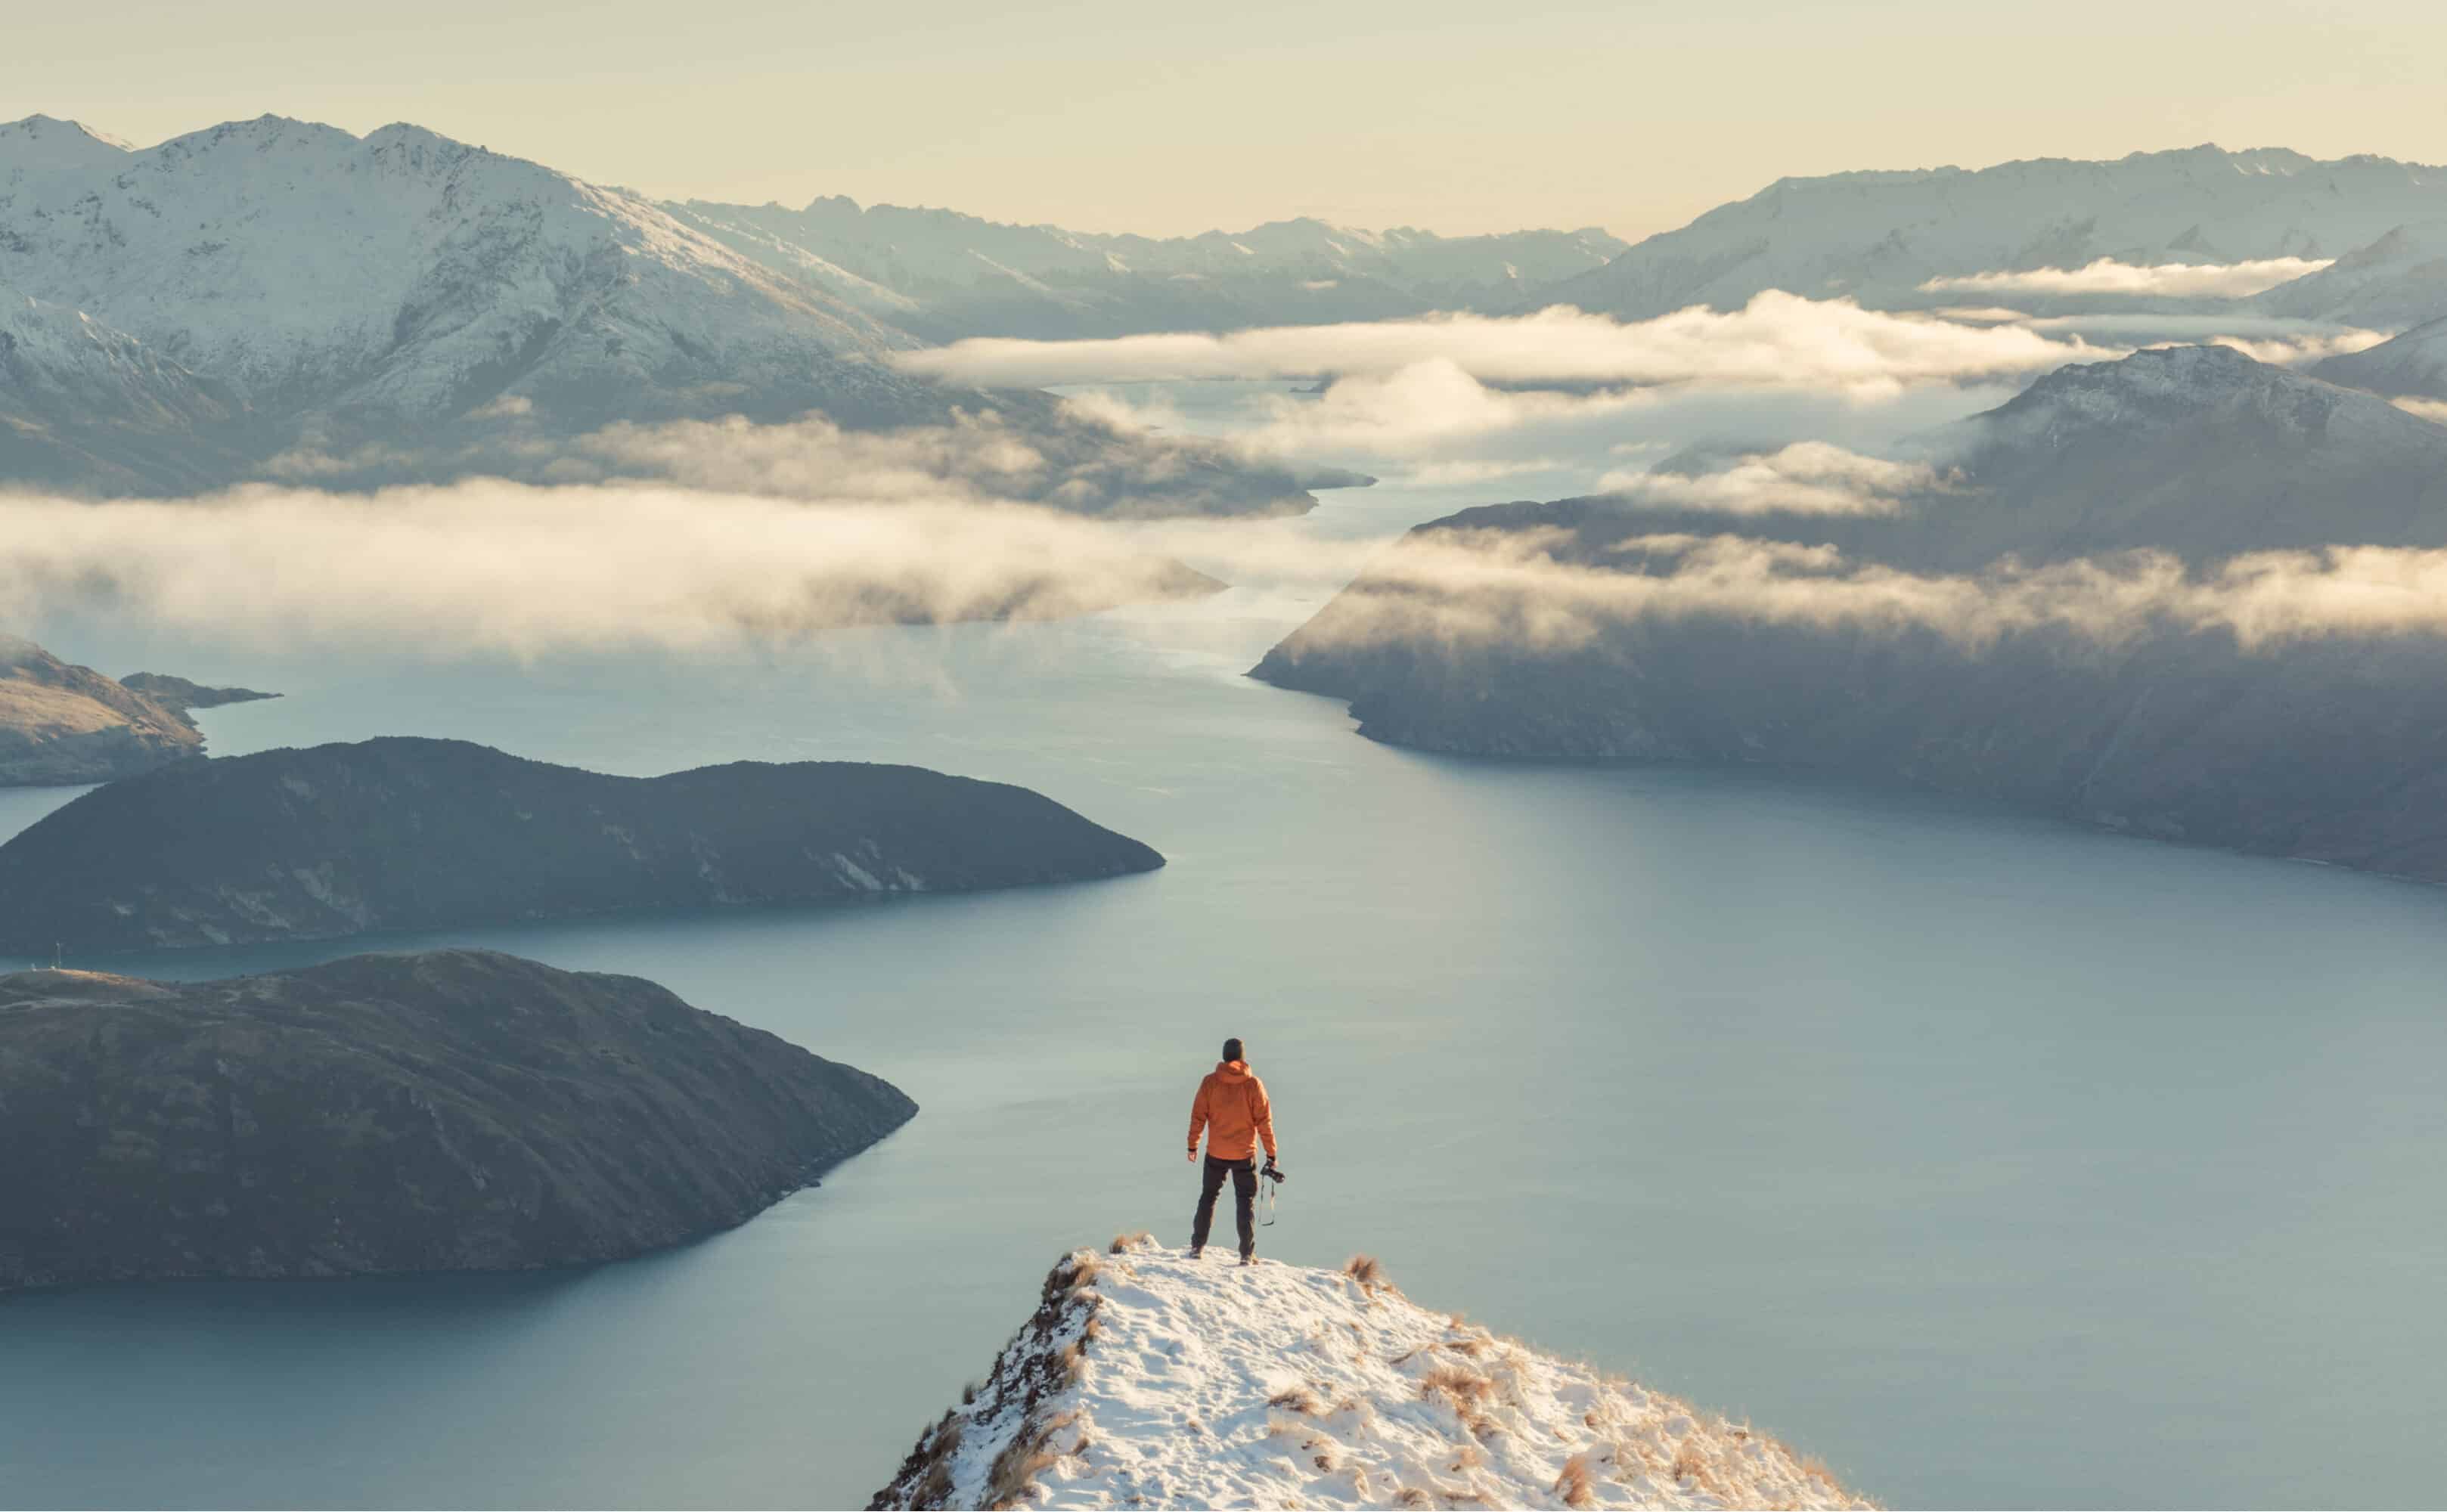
(1996, 1161)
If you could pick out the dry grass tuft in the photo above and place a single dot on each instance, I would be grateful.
(1687, 1465)
(1467, 1391)
(1467, 1456)
(1413, 1495)
(1016, 1470)
(1091, 1330)
(1457, 1384)
(1573, 1484)
(1365, 1270)
(1124, 1243)
(1297, 1399)
(1814, 1468)
(941, 1442)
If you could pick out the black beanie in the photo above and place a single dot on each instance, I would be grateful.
(1232, 1049)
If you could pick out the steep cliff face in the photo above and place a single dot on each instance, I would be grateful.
(402, 833)
(2180, 594)
(1148, 1379)
(452, 1111)
(62, 724)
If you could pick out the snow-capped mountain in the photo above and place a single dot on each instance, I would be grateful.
(82, 404)
(1148, 1379)
(274, 297)
(2411, 366)
(1878, 237)
(403, 276)
(2395, 282)
(2200, 451)
(945, 275)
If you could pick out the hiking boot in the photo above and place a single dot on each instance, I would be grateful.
(1197, 1250)
(1248, 1256)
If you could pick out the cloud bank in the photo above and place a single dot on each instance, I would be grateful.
(1777, 340)
(2171, 280)
(1473, 590)
(1807, 477)
(493, 567)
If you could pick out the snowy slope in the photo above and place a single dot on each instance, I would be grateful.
(948, 275)
(1880, 235)
(274, 297)
(2411, 366)
(406, 275)
(1147, 1379)
(2395, 282)
(83, 403)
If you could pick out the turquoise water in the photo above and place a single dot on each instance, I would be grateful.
(1993, 1161)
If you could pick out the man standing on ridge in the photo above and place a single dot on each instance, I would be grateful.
(1232, 1106)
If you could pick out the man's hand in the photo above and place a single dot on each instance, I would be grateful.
(1193, 1155)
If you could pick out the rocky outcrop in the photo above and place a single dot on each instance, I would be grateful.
(402, 832)
(453, 1111)
(62, 724)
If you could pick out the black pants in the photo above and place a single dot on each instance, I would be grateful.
(1245, 1199)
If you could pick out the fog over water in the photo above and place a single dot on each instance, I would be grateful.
(1995, 1161)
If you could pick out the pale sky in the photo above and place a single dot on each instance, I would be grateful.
(1455, 115)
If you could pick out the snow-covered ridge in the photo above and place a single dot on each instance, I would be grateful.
(957, 274)
(1881, 236)
(402, 274)
(1148, 1379)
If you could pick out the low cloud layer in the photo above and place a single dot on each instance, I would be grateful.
(1777, 340)
(2171, 280)
(1082, 458)
(1472, 590)
(489, 568)
(493, 567)
(1807, 477)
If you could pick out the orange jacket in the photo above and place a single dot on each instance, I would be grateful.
(1231, 1104)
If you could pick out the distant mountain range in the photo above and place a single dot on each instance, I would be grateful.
(2195, 668)
(943, 274)
(1879, 236)
(272, 298)
(402, 305)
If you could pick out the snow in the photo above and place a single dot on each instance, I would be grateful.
(2412, 366)
(927, 255)
(401, 273)
(1148, 1379)
(1883, 233)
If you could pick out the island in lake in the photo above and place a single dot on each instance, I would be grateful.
(404, 833)
(457, 1110)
